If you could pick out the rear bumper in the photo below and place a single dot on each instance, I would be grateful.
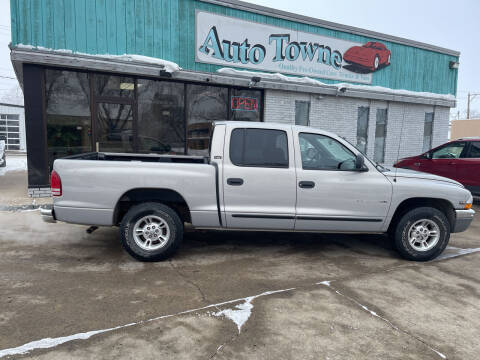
(463, 220)
(48, 215)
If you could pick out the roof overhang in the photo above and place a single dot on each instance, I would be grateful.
(20, 56)
(263, 10)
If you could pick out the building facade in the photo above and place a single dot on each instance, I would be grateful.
(152, 75)
(465, 128)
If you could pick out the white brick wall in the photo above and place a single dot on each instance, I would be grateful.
(338, 114)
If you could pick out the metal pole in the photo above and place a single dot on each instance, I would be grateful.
(468, 106)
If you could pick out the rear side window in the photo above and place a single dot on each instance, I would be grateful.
(259, 147)
(474, 150)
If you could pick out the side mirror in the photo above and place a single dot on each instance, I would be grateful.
(359, 163)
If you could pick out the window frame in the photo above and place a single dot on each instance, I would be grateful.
(366, 129)
(257, 166)
(384, 137)
(431, 133)
(331, 138)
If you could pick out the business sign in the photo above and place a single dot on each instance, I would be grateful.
(229, 41)
(244, 103)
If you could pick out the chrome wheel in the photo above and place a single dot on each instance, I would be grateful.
(151, 232)
(423, 235)
(376, 63)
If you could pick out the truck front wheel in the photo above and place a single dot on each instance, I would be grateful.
(422, 234)
(151, 231)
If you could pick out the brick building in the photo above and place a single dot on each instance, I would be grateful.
(151, 76)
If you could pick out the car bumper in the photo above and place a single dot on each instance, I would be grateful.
(48, 215)
(463, 221)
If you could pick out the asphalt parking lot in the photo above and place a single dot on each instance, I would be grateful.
(69, 294)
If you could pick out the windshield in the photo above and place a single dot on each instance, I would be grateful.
(377, 165)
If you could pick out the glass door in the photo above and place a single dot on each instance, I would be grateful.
(114, 127)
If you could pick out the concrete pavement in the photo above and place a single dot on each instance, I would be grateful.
(232, 296)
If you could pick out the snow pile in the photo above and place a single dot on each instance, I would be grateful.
(14, 163)
(168, 66)
(309, 81)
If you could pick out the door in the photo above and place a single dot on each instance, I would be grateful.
(259, 178)
(331, 194)
(114, 127)
(468, 167)
(444, 161)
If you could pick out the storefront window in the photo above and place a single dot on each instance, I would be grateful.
(114, 86)
(114, 127)
(68, 113)
(245, 105)
(205, 104)
(161, 117)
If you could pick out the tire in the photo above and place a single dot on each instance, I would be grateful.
(376, 62)
(159, 231)
(410, 235)
(4, 161)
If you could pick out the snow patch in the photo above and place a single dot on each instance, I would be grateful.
(168, 66)
(239, 315)
(326, 283)
(14, 163)
(451, 252)
(52, 342)
(309, 81)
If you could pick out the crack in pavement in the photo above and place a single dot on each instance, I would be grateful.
(373, 313)
(186, 279)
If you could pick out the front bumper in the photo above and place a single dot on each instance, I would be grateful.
(463, 220)
(48, 215)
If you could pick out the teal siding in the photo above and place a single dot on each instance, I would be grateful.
(166, 29)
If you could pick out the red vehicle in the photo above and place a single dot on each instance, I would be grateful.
(458, 160)
(371, 55)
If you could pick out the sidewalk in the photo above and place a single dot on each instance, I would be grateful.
(14, 185)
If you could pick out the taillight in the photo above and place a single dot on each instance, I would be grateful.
(55, 184)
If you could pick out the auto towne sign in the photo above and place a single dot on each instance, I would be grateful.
(229, 41)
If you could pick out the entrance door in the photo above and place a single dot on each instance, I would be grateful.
(259, 178)
(114, 127)
(332, 194)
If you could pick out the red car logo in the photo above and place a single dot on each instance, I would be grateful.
(367, 58)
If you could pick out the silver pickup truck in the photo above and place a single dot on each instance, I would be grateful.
(259, 176)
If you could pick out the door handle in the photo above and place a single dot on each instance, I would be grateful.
(235, 181)
(306, 184)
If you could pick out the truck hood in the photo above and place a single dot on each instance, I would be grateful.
(407, 173)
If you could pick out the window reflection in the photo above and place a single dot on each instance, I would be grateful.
(205, 104)
(161, 119)
(114, 127)
(116, 86)
(68, 113)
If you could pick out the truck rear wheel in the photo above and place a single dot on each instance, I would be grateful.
(151, 231)
(422, 234)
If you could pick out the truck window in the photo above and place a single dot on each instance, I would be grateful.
(321, 152)
(259, 147)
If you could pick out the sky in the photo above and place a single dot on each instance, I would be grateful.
(450, 24)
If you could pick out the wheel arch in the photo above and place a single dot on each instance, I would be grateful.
(168, 197)
(445, 206)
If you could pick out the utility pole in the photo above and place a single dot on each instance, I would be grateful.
(470, 98)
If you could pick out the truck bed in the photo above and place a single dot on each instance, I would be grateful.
(105, 156)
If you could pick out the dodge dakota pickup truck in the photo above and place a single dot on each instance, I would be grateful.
(258, 176)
